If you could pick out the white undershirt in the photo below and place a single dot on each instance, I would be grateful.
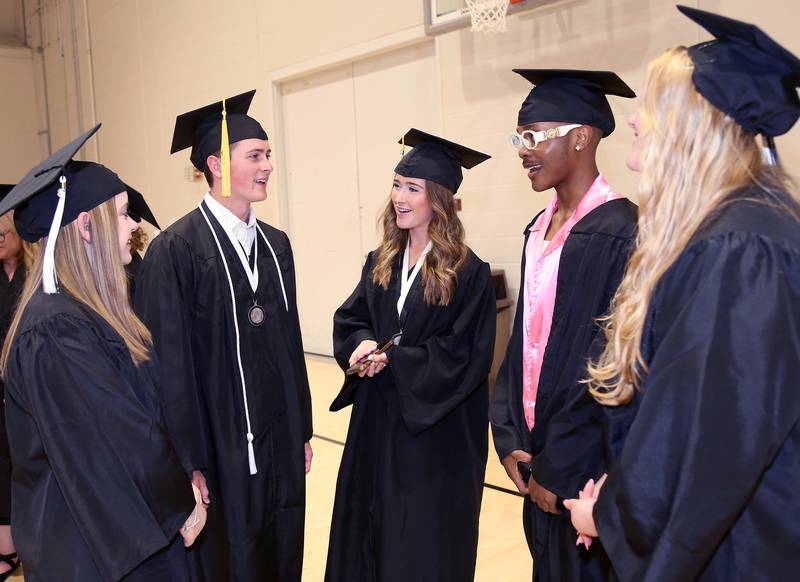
(241, 234)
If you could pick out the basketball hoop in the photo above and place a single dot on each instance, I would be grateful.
(488, 15)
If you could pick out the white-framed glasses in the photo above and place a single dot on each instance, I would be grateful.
(530, 139)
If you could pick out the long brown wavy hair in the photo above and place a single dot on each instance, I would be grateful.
(138, 240)
(98, 281)
(447, 255)
(693, 162)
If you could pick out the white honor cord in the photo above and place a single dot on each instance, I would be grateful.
(251, 455)
(407, 280)
(49, 276)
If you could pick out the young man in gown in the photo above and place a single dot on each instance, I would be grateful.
(217, 290)
(575, 252)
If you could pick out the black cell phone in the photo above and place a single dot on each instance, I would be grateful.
(524, 470)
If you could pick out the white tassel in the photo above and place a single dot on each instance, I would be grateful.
(49, 276)
(770, 152)
(251, 454)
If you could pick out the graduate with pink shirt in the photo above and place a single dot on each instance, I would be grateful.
(574, 256)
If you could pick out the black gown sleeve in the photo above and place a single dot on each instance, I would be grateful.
(352, 323)
(164, 299)
(433, 378)
(298, 353)
(505, 408)
(718, 402)
(107, 463)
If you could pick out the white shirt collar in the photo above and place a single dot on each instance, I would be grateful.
(242, 235)
(225, 217)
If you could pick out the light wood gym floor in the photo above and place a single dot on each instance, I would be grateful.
(502, 552)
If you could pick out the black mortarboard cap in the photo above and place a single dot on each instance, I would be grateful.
(138, 208)
(436, 159)
(745, 74)
(201, 129)
(5, 189)
(35, 198)
(572, 96)
(88, 186)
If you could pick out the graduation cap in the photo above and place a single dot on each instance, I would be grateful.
(5, 189)
(54, 193)
(138, 208)
(213, 128)
(88, 185)
(745, 74)
(36, 197)
(436, 159)
(572, 96)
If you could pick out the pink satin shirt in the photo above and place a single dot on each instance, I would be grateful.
(541, 276)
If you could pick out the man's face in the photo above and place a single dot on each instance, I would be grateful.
(250, 169)
(551, 162)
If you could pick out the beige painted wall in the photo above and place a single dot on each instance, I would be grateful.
(151, 60)
(20, 146)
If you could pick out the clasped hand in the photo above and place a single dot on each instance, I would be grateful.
(197, 519)
(582, 511)
(377, 362)
(544, 499)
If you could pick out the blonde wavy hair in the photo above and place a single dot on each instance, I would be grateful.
(693, 162)
(98, 281)
(447, 255)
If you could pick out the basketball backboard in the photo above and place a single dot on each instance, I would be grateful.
(444, 15)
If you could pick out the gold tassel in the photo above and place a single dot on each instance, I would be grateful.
(225, 155)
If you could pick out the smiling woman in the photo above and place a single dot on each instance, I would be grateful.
(420, 425)
(421, 209)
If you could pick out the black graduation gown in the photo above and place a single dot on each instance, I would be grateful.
(10, 292)
(131, 272)
(591, 267)
(410, 483)
(98, 488)
(705, 485)
(255, 529)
